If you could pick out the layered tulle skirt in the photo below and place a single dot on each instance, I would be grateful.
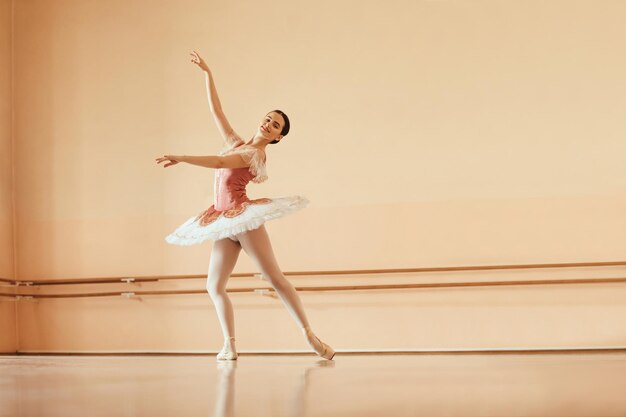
(214, 224)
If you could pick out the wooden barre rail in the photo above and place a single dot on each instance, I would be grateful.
(117, 280)
(334, 288)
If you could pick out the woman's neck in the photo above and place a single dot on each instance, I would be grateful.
(258, 142)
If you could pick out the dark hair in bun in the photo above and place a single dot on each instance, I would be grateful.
(285, 129)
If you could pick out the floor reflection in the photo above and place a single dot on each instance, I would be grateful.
(295, 401)
(576, 385)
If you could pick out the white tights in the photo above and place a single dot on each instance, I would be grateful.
(256, 244)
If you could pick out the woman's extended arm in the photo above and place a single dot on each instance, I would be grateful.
(209, 161)
(223, 126)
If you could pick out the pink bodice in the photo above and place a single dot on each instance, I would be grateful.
(230, 187)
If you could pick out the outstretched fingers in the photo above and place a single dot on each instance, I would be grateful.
(195, 57)
(169, 160)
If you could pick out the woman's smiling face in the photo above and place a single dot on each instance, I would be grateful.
(271, 126)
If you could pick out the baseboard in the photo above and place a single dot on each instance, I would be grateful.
(499, 351)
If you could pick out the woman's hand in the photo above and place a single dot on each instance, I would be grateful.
(196, 59)
(171, 159)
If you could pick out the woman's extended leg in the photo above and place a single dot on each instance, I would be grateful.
(257, 245)
(223, 259)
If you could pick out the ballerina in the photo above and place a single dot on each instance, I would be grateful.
(234, 221)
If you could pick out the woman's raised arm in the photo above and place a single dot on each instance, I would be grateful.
(223, 126)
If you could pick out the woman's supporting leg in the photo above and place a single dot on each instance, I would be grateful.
(223, 259)
(256, 243)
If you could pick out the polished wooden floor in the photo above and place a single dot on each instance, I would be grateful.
(591, 384)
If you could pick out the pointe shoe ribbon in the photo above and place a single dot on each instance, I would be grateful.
(321, 348)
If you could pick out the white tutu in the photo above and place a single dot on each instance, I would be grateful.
(224, 225)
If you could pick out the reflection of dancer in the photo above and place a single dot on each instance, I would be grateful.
(236, 222)
(295, 404)
(225, 399)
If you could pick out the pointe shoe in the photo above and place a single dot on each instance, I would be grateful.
(321, 348)
(228, 354)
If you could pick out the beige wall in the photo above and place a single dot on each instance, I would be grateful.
(484, 108)
(424, 134)
(7, 267)
(6, 161)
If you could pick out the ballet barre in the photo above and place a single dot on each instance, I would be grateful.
(271, 293)
(155, 278)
